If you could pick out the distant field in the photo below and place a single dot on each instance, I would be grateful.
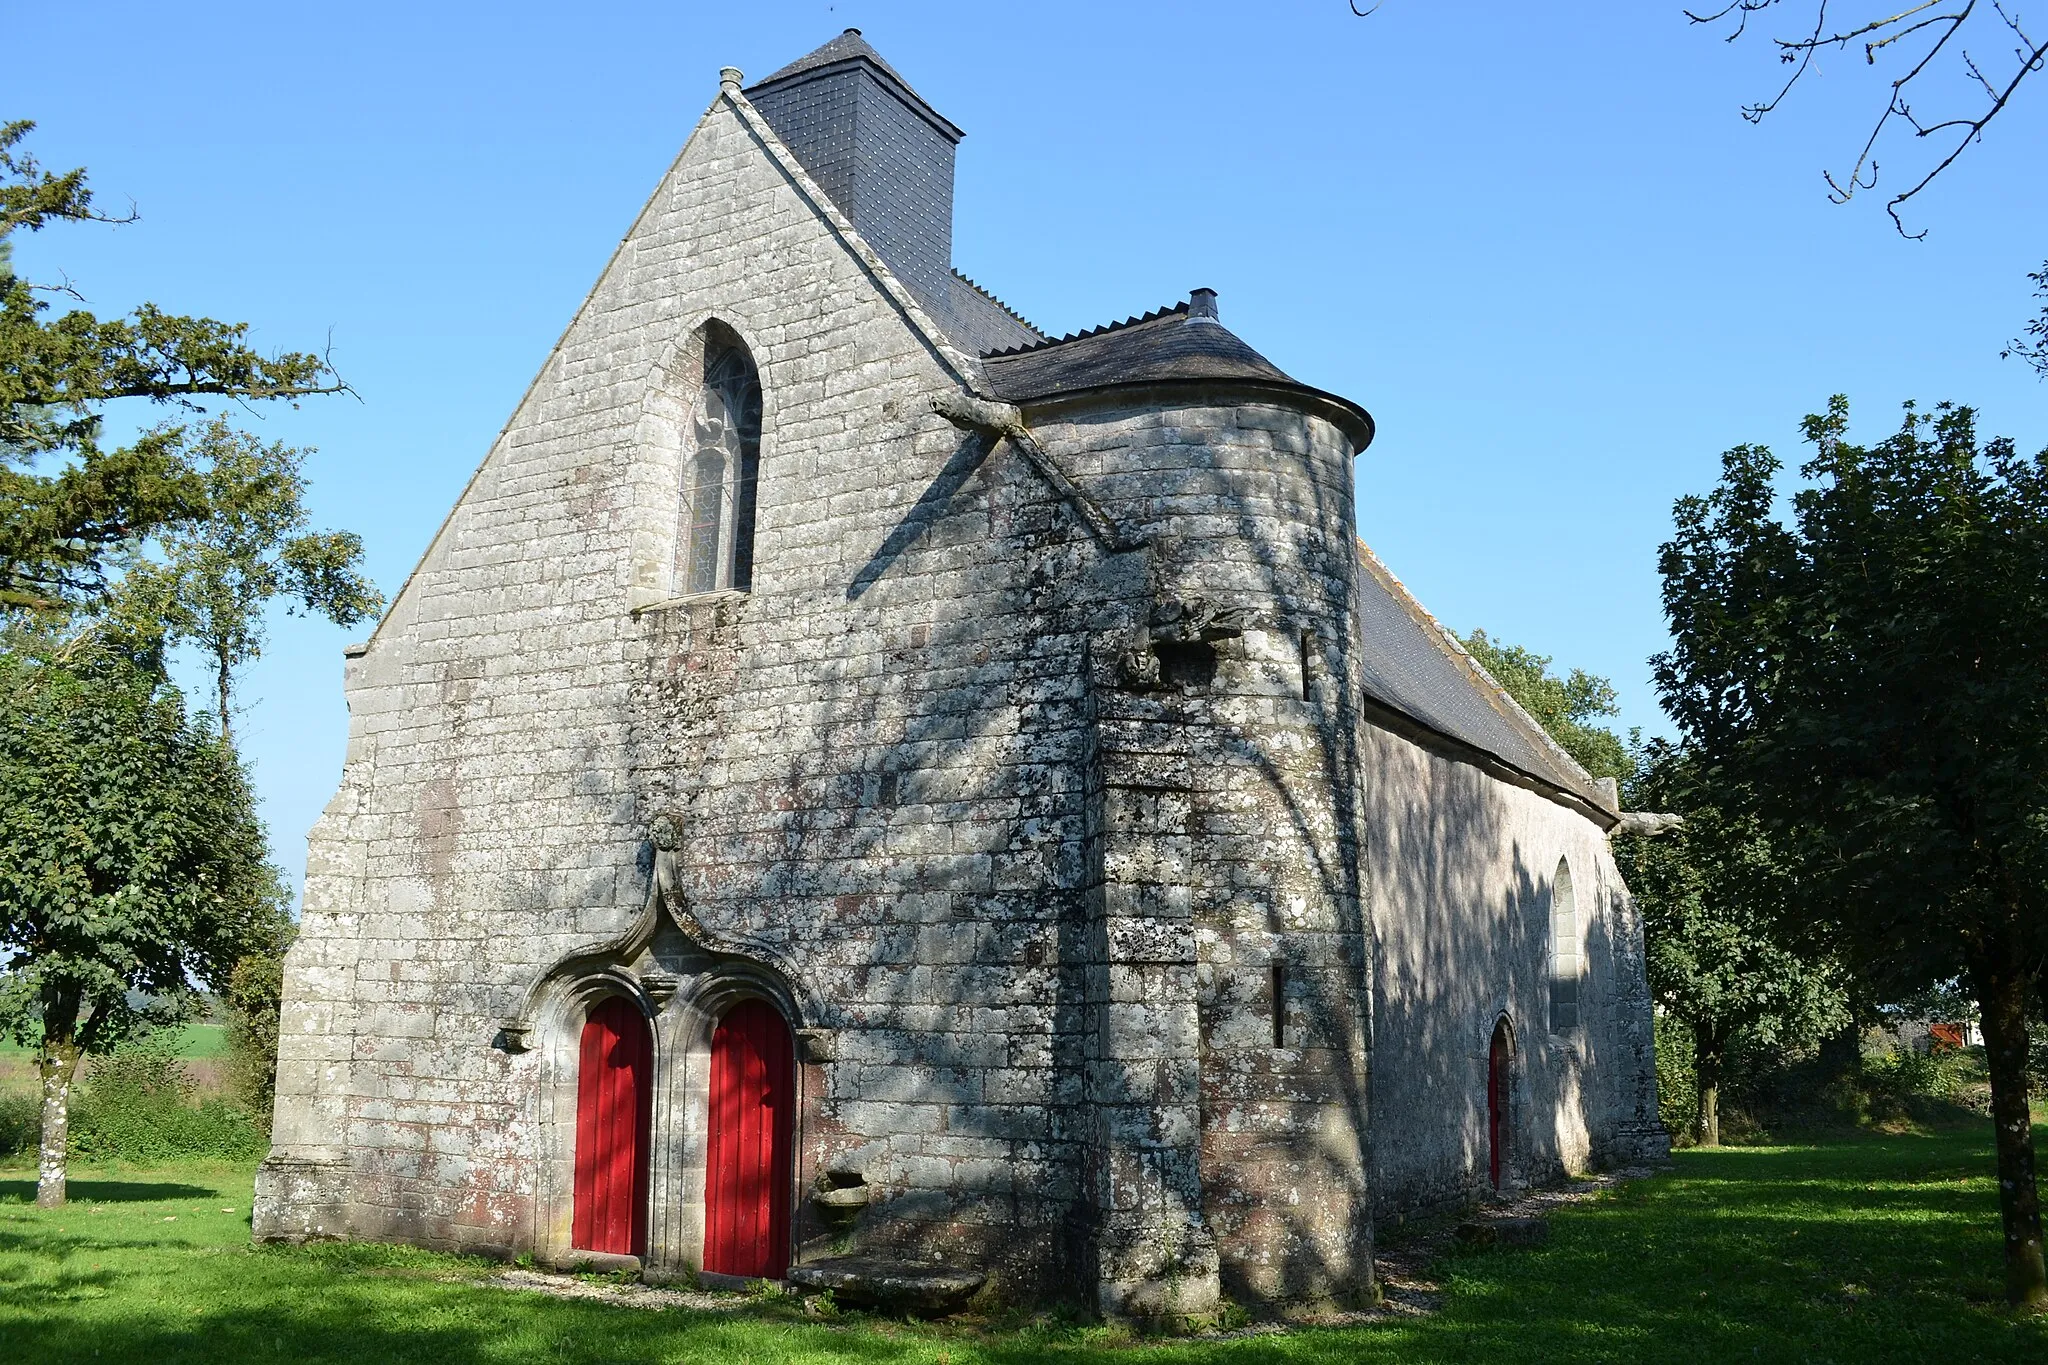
(196, 1042)
(201, 1044)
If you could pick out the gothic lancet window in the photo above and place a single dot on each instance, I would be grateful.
(720, 471)
(1564, 952)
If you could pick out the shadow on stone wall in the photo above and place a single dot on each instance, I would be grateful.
(888, 789)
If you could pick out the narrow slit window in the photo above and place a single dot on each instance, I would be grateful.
(1279, 988)
(721, 472)
(1566, 957)
(1306, 638)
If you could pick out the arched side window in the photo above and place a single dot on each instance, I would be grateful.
(1566, 956)
(716, 549)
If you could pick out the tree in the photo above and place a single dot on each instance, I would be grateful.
(132, 866)
(218, 573)
(1565, 707)
(2032, 347)
(1713, 893)
(1867, 679)
(65, 500)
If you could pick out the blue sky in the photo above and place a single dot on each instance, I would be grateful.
(1537, 242)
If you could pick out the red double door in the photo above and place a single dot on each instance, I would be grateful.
(747, 1175)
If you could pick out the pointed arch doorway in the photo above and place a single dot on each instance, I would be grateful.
(1498, 1055)
(747, 1167)
(614, 1104)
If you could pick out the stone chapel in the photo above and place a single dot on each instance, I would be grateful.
(856, 781)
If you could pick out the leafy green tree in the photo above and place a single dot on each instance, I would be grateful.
(1567, 708)
(1712, 893)
(218, 573)
(65, 499)
(132, 865)
(1868, 679)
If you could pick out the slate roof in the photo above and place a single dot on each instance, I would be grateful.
(851, 47)
(1413, 665)
(1168, 344)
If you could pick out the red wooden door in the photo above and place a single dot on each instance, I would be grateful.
(747, 1173)
(1497, 1101)
(614, 1098)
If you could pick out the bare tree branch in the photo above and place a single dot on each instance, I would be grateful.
(1919, 39)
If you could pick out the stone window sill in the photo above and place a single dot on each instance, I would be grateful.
(691, 599)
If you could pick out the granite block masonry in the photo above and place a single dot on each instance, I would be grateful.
(1144, 881)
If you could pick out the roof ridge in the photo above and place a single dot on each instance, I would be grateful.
(983, 291)
(1153, 316)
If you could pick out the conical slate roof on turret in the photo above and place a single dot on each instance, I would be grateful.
(1170, 345)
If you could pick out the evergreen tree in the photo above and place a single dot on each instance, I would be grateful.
(66, 500)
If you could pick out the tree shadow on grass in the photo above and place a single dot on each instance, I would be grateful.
(108, 1191)
(473, 1327)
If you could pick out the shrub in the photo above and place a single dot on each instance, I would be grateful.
(137, 1105)
(20, 1123)
(1906, 1084)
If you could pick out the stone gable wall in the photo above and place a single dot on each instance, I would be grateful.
(487, 821)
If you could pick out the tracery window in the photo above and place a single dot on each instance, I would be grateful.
(721, 470)
(1566, 958)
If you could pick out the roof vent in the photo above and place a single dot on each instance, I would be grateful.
(1202, 303)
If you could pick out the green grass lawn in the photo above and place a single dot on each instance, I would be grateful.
(1862, 1250)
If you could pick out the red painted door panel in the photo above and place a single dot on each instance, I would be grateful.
(747, 1174)
(614, 1098)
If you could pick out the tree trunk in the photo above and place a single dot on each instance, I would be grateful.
(1706, 1068)
(221, 680)
(58, 1065)
(2002, 987)
(1841, 1052)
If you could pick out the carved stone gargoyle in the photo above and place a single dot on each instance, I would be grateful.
(1190, 619)
(1182, 622)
